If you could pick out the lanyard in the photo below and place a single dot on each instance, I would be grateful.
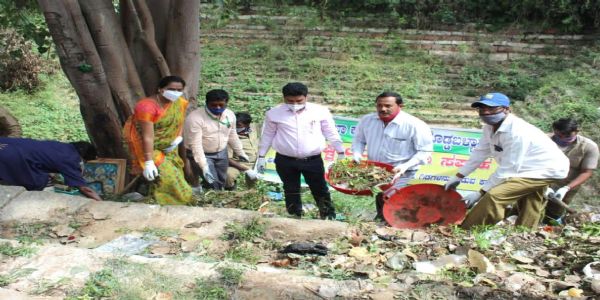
(226, 123)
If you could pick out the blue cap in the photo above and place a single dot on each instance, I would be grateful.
(492, 99)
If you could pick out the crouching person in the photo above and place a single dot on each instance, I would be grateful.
(528, 161)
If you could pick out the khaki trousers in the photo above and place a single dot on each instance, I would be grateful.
(527, 193)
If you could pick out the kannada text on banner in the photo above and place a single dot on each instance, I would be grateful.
(451, 149)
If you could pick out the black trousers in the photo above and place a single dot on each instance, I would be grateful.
(313, 170)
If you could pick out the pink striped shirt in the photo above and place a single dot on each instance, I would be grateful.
(299, 134)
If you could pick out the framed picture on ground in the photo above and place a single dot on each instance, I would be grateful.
(105, 175)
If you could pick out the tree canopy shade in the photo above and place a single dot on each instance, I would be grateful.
(114, 55)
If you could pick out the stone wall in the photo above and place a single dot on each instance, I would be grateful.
(499, 46)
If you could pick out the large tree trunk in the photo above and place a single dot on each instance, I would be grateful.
(113, 61)
(9, 126)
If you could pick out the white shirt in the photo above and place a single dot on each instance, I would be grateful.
(521, 150)
(299, 134)
(405, 140)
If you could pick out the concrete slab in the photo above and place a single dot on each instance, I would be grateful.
(31, 206)
(8, 192)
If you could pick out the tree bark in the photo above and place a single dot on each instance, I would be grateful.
(78, 54)
(183, 48)
(108, 38)
(9, 126)
(112, 63)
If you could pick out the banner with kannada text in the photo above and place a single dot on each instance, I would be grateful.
(451, 149)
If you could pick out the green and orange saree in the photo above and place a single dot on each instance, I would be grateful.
(170, 187)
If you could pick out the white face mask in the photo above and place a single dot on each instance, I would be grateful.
(296, 107)
(172, 95)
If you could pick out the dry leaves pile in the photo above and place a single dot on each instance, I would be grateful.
(494, 261)
(361, 176)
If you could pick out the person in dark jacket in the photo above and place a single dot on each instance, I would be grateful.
(28, 163)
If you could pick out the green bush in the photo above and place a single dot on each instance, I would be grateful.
(554, 15)
(19, 65)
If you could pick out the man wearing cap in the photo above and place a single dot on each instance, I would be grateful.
(297, 130)
(528, 161)
(393, 137)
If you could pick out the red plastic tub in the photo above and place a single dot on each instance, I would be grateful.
(348, 191)
(421, 205)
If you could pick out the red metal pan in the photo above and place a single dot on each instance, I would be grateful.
(421, 205)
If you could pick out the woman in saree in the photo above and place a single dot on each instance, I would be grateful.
(153, 134)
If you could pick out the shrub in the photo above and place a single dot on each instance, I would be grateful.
(19, 65)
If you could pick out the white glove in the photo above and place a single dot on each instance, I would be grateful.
(399, 170)
(174, 144)
(208, 176)
(357, 157)
(341, 156)
(243, 157)
(560, 193)
(471, 199)
(251, 174)
(261, 165)
(150, 170)
(548, 193)
(452, 183)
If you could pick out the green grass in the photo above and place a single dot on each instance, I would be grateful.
(122, 279)
(247, 231)
(160, 232)
(210, 290)
(52, 112)
(230, 275)
(7, 249)
(13, 275)
(243, 253)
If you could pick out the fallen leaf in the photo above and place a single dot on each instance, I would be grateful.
(516, 281)
(596, 285)
(521, 258)
(420, 236)
(485, 281)
(356, 238)
(384, 295)
(542, 273)
(281, 263)
(480, 262)
(358, 252)
(62, 230)
(163, 296)
(572, 278)
(410, 254)
(197, 224)
(445, 230)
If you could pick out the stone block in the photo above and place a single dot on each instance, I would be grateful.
(34, 206)
(8, 192)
